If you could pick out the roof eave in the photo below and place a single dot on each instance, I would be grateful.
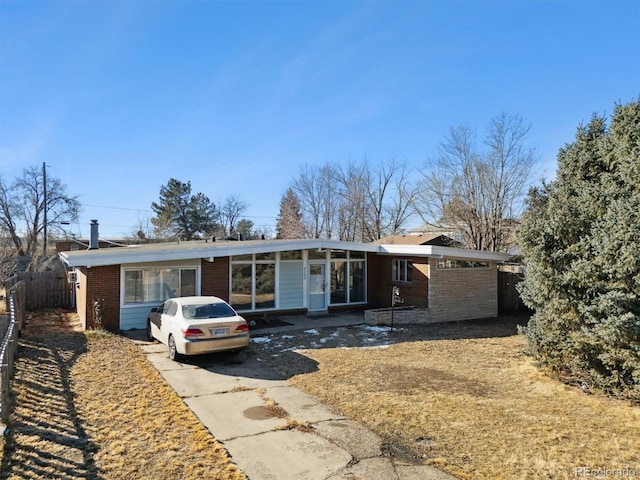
(438, 251)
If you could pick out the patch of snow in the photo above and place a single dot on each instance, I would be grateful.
(376, 328)
(286, 337)
(313, 331)
(261, 339)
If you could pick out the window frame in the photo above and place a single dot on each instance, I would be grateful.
(144, 295)
(401, 269)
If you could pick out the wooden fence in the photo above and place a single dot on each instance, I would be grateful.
(9, 330)
(509, 300)
(45, 289)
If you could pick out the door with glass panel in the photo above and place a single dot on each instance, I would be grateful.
(317, 287)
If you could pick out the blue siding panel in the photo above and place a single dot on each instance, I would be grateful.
(291, 287)
(135, 316)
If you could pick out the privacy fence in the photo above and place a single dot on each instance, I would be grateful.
(509, 301)
(10, 327)
(45, 289)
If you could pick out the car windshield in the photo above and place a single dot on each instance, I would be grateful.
(207, 310)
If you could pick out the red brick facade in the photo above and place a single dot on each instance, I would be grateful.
(414, 293)
(103, 285)
(215, 278)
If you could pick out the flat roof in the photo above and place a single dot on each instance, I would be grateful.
(206, 249)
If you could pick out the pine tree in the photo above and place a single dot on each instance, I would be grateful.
(183, 215)
(289, 223)
(580, 238)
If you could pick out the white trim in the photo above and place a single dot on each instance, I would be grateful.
(437, 251)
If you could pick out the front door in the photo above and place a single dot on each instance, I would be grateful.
(317, 287)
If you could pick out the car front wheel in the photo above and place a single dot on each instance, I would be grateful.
(173, 350)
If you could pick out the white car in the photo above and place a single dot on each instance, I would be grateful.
(195, 325)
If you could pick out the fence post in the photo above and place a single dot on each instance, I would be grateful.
(8, 347)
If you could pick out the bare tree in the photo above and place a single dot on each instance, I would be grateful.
(399, 209)
(314, 188)
(376, 201)
(356, 202)
(35, 208)
(231, 210)
(353, 209)
(478, 193)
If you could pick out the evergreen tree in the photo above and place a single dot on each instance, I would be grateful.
(184, 216)
(580, 238)
(289, 223)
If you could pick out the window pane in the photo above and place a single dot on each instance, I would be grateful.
(356, 255)
(317, 254)
(248, 257)
(170, 286)
(266, 256)
(338, 254)
(241, 287)
(338, 277)
(356, 282)
(133, 286)
(187, 282)
(265, 286)
(291, 255)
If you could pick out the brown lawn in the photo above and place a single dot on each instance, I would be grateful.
(89, 405)
(477, 408)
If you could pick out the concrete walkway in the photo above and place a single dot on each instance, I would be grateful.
(272, 430)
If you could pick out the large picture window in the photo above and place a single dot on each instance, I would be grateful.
(347, 277)
(253, 282)
(145, 285)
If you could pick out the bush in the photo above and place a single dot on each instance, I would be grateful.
(580, 238)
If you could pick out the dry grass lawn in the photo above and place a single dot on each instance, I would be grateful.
(89, 405)
(477, 408)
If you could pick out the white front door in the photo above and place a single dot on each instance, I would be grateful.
(317, 287)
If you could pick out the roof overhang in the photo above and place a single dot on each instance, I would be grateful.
(165, 252)
(441, 252)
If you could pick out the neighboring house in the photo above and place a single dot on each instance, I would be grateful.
(306, 276)
(438, 239)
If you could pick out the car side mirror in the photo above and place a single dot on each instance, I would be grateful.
(154, 309)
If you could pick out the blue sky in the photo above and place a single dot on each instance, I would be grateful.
(119, 96)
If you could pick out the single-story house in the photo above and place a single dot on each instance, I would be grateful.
(117, 287)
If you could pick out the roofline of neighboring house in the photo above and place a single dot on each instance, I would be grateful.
(210, 250)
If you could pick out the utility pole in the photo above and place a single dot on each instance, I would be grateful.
(44, 182)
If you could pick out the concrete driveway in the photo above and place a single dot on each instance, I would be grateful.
(272, 430)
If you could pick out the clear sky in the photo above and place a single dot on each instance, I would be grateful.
(235, 96)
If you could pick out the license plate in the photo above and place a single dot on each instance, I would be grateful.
(219, 332)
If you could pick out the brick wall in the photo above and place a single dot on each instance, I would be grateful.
(373, 288)
(414, 293)
(463, 293)
(103, 283)
(215, 278)
(454, 294)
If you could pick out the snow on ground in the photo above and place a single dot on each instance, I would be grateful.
(261, 339)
